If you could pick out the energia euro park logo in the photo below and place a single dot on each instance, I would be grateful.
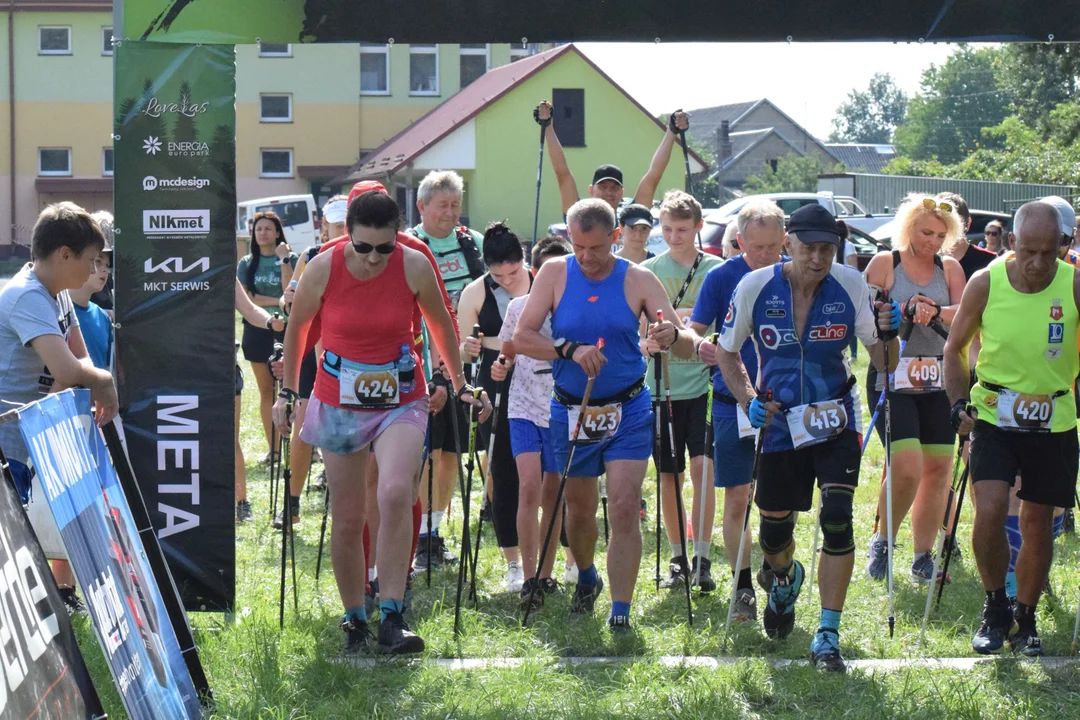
(153, 145)
(151, 183)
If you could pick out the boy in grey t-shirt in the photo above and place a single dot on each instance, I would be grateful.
(42, 350)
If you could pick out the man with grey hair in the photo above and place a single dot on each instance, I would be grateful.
(457, 251)
(1021, 415)
(594, 296)
(759, 235)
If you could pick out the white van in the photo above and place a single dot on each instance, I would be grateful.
(299, 216)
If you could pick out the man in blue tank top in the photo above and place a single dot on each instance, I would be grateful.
(594, 295)
(800, 315)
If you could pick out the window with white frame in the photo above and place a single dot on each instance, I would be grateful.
(275, 163)
(275, 50)
(275, 108)
(54, 40)
(106, 41)
(474, 61)
(518, 51)
(55, 162)
(107, 162)
(374, 69)
(424, 69)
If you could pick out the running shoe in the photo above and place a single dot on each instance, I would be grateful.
(677, 573)
(765, 576)
(705, 582)
(279, 519)
(745, 607)
(1026, 642)
(922, 569)
(549, 586)
(997, 625)
(439, 548)
(532, 594)
(319, 483)
(619, 625)
(515, 576)
(357, 636)
(243, 511)
(779, 617)
(395, 637)
(877, 557)
(825, 651)
(584, 598)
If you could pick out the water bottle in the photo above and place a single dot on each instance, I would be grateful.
(406, 371)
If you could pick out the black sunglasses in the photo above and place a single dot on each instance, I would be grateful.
(364, 248)
(992, 232)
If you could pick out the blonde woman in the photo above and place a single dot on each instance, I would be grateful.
(920, 275)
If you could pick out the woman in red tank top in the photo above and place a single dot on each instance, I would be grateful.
(370, 396)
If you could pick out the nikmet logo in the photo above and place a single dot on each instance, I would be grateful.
(176, 222)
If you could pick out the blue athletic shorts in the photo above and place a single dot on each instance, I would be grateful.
(632, 441)
(733, 457)
(528, 437)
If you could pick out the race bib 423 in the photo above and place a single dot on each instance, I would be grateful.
(599, 423)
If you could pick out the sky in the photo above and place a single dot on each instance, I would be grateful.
(808, 81)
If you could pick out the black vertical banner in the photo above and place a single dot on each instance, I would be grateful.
(42, 674)
(175, 259)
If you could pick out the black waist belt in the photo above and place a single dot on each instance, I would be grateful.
(992, 387)
(565, 398)
(728, 400)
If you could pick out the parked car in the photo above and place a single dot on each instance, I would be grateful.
(866, 246)
(843, 207)
(299, 218)
(979, 220)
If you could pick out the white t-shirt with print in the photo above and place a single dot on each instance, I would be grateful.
(532, 383)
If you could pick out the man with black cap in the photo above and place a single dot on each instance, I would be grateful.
(607, 182)
(799, 314)
(635, 222)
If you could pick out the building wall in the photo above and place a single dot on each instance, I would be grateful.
(753, 162)
(616, 131)
(765, 115)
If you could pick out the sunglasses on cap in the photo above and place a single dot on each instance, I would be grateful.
(268, 214)
(363, 248)
(931, 204)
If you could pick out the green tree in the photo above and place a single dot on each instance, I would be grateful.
(793, 173)
(1036, 77)
(955, 102)
(872, 115)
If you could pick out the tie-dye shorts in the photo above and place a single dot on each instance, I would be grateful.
(343, 431)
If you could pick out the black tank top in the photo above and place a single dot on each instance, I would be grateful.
(490, 320)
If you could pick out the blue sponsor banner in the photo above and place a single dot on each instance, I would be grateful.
(107, 556)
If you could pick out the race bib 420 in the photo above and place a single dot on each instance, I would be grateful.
(817, 422)
(598, 424)
(1025, 413)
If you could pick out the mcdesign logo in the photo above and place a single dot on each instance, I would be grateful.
(151, 183)
(176, 222)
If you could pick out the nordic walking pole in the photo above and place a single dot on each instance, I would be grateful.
(286, 531)
(562, 489)
(491, 469)
(322, 534)
(686, 160)
(706, 470)
(466, 493)
(466, 490)
(539, 169)
(1076, 628)
(943, 532)
(746, 516)
(659, 449)
(430, 491)
(951, 540)
(675, 479)
(279, 351)
(814, 547)
(603, 503)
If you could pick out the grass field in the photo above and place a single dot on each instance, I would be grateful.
(259, 672)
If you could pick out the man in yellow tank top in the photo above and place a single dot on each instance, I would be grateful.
(1021, 415)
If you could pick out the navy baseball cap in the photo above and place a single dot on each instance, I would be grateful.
(635, 214)
(607, 172)
(813, 223)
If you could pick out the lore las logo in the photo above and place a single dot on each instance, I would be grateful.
(151, 183)
(155, 108)
(176, 222)
(188, 148)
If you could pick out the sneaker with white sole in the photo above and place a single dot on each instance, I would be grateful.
(515, 576)
(745, 607)
(570, 576)
(877, 557)
(922, 569)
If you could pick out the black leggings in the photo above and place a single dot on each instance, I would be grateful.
(504, 481)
